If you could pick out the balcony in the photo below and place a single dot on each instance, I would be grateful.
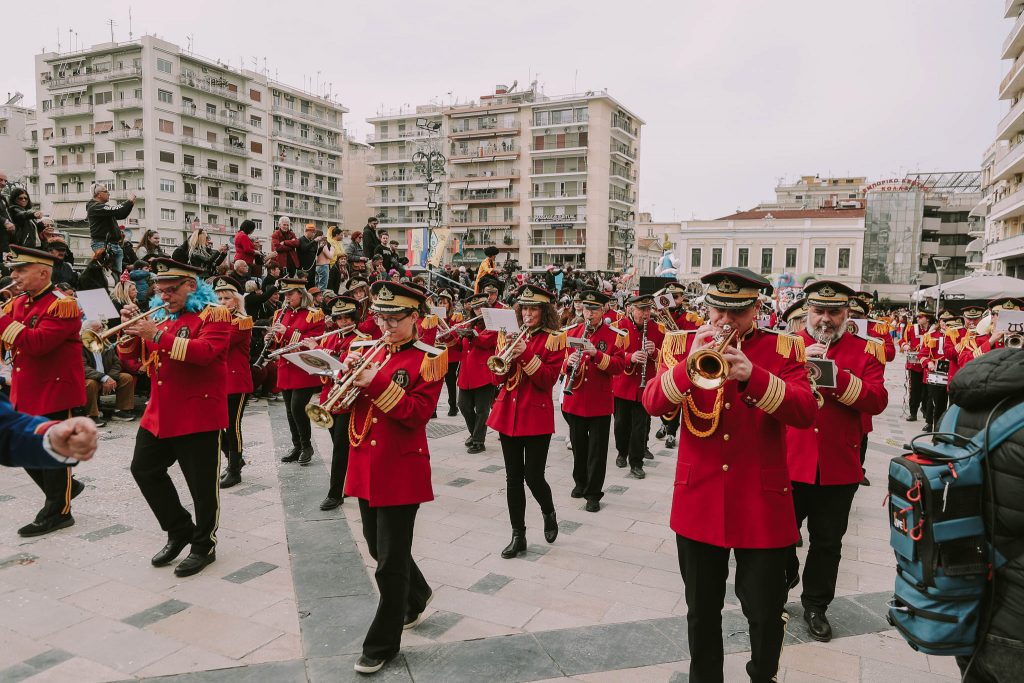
(65, 169)
(125, 104)
(560, 196)
(307, 116)
(127, 164)
(395, 179)
(402, 221)
(69, 110)
(581, 120)
(223, 118)
(324, 213)
(465, 222)
(1012, 8)
(200, 172)
(127, 135)
(321, 143)
(236, 149)
(619, 124)
(563, 149)
(398, 136)
(79, 139)
(1009, 206)
(546, 173)
(1012, 163)
(552, 241)
(122, 73)
(398, 201)
(381, 159)
(72, 197)
(489, 153)
(622, 197)
(624, 174)
(194, 81)
(465, 133)
(627, 153)
(30, 143)
(556, 219)
(1014, 42)
(1013, 81)
(484, 197)
(311, 190)
(1012, 123)
(320, 166)
(30, 172)
(1005, 248)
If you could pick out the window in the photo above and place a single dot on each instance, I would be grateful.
(695, 258)
(166, 185)
(255, 122)
(767, 254)
(103, 97)
(819, 257)
(50, 188)
(188, 131)
(844, 258)
(716, 257)
(165, 96)
(167, 214)
(791, 257)
(256, 147)
(256, 198)
(256, 172)
(104, 157)
(188, 159)
(166, 157)
(140, 154)
(743, 259)
(163, 66)
(255, 95)
(166, 126)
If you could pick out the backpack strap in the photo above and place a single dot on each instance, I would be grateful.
(1004, 426)
(949, 420)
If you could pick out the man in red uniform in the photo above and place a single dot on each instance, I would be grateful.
(684, 319)
(587, 402)
(41, 329)
(239, 379)
(979, 344)
(476, 383)
(940, 355)
(824, 460)
(184, 348)
(885, 351)
(911, 345)
(632, 422)
(454, 345)
(969, 346)
(389, 463)
(732, 488)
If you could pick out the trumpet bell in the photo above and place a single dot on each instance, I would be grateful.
(1014, 341)
(707, 369)
(93, 341)
(497, 365)
(319, 416)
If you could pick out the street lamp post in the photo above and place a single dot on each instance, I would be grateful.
(940, 263)
(428, 164)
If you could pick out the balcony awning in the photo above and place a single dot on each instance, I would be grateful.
(980, 210)
(103, 127)
(478, 184)
(499, 184)
(975, 245)
(458, 186)
(63, 211)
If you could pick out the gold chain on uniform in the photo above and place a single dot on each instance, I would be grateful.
(716, 413)
(355, 440)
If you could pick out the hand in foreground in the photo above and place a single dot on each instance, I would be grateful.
(815, 350)
(144, 329)
(739, 365)
(74, 438)
(129, 311)
(366, 375)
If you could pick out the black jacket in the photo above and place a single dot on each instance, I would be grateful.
(103, 220)
(111, 364)
(5, 237)
(370, 242)
(24, 227)
(207, 259)
(307, 253)
(977, 388)
(63, 272)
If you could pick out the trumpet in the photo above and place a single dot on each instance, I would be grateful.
(277, 353)
(97, 342)
(10, 286)
(344, 392)
(500, 363)
(708, 368)
(1014, 340)
(454, 328)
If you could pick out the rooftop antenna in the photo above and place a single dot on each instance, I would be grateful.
(112, 25)
(58, 40)
(575, 75)
(188, 37)
(131, 35)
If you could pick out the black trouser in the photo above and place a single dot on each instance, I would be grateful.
(295, 402)
(589, 452)
(827, 511)
(475, 406)
(671, 426)
(232, 441)
(450, 380)
(916, 392)
(525, 460)
(632, 426)
(198, 457)
(863, 451)
(403, 590)
(998, 659)
(761, 589)
(55, 483)
(339, 455)
(936, 401)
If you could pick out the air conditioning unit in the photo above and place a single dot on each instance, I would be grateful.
(74, 179)
(81, 149)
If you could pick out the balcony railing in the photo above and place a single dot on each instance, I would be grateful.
(308, 116)
(72, 197)
(484, 131)
(490, 175)
(484, 196)
(627, 152)
(126, 134)
(384, 178)
(574, 120)
(571, 241)
(79, 139)
(127, 164)
(313, 142)
(379, 201)
(125, 103)
(238, 149)
(1008, 163)
(552, 194)
(193, 80)
(1013, 38)
(63, 169)
(580, 169)
(459, 220)
(30, 143)
(201, 172)
(623, 197)
(69, 110)
(484, 152)
(553, 147)
(398, 135)
(624, 125)
(94, 76)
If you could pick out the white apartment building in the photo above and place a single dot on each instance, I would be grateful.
(815, 192)
(355, 162)
(197, 141)
(15, 129)
(547, 180)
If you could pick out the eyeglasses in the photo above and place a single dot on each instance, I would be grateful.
(389, 321)
(168, 291)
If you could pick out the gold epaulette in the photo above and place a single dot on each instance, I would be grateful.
(661, 328)
(674, 345)
(556, 340)
(785, 343)
(694, 317)
(315, 315)
(876, 348)
(215, 314)
(429, 322)
(242, 322)
(65, 307)
(362, 335)
(621, 338)
(434, 366)
(9, 305)
(456, 317)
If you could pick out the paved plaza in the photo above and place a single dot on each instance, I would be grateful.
(292, 591)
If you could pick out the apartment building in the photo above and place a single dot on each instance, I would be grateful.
(16, 123)
(815, 192)
(198, 142)
(355, 168)
(547, 180)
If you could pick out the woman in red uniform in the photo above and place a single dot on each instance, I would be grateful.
(454, 344)
(524, 414)
(239, 379)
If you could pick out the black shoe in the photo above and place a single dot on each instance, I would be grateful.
(647, 454)
(592, 506)
(864, 482)
(912, 418)
(293, 455)
(98, 420)
(124, 415)
(670, 441)
(46, 525)
(194, 563)
(169, 553)
(306, 456)
(230, 478)
(468, 442)
(660, 434)
(475, 448)
(927, 426)
(550, 526)
(414, 620)
(369, 665)
(576, 493)
(452, 412)
(818, 626)
(331, 503)
(637, 472)
(800, 541)
(516, 546)
(76, 488)
(620, 461)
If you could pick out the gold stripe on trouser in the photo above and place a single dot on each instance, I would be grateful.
(67, 487)
(785, 623)
(216, 486)
(238, 423)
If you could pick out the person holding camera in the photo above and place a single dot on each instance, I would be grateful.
(104, 232)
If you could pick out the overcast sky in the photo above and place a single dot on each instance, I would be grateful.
(735, 95)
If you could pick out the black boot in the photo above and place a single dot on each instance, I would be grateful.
(516, 546)
(233, 472)
(550, 526)
(293, 455)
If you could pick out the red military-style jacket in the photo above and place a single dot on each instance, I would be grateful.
(337, 346)
(389, 461)
(942, 345)
(453, 341)
(880, 331)
(427, 327)
(829, 452)
(627, 384)
(976, 345)
(524, 405)
(299, 324)
(732, 488)
(885, 351)
(187, 368)
(476, 349)
(239, 378)
(688, 320)
(42, 332)
(911, 341)
(592, 388)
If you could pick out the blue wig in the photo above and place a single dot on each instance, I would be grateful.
(197, 301)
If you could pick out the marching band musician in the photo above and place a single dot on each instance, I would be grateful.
(858, 309)
(588, 408)
(299, 318)
(389, 462)
(476, 383)
(824, 461)
(239, 379)
(454, 345)
(524, 414)
(972, 315)
(941, 344)
(795, 316)
(359, 289)
(184, 348)
(994, 339)
(732, 487)
(632, 423)
(911, 341)
(41, 329)
(685, 319)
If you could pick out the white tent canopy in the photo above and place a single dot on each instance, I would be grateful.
(974, 287)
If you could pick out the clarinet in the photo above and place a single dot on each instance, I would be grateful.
(643, 347)
(571, 379)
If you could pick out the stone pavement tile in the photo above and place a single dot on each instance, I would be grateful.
(77, 670)
(218, 595)
(611, 647)
(448, 574)
(548, 597)
(512, 658)
(660, 578)
(53, 578)
(114, 599)
(797, 676)
(136, 570)
(155, 613)
(339, 670)
(877, 670)
(70, 551)
(809, 658)
(624, 611)
(483, 607)
(115, 644)
(16, 647)
(285, 647)
(282, 616)
(468, 628)
(215, 632)
(643, 558)
(490, 584)
(605, 519)
(438, 531)
(661, 531)
(616, 591)
(552, 620)
(324, 576)
(598, 566)
(187, 659)
(879, 647)
(487, 542)
(539, 571)
(250, 572)
(332, 626)
(274, 531)
(31, 666)
(422, 547)
(642, 674)
(944, 666)
(272, 672)
(35, 615)
(436, 624)
(469, 522)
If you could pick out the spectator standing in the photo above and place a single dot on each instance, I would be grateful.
(284, 243)
(245, 248)
(102, 217)
(355, 246)
(62, 270)
(142, 276)
(24, 218)
(149, 246)
(197, 252)
(308, 245)
(324, 259)
(6, 224)
(370, 240)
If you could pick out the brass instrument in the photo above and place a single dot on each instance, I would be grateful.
(707, 368)
(813, 373)
(1014, 340)
(97, 342)
(277, 353)
(663, 312)
(344, 392)
(5, 288)
(499, 364)
(454, 328)
(571, 378)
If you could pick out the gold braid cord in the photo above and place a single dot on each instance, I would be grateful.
(355, 440)
(715, 415)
